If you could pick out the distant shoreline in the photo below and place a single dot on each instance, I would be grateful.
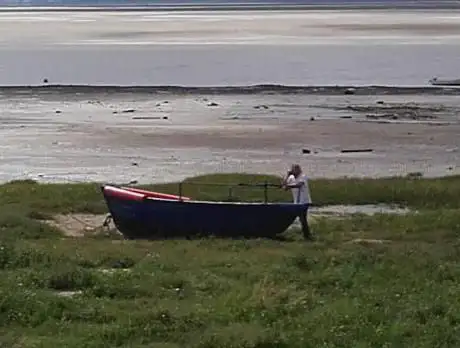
(390, 5)
(229, 90)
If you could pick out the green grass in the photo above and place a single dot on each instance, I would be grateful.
(86, 198)
(335, 292)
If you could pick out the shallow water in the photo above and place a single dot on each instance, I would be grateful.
(229, 48)
(366, 209)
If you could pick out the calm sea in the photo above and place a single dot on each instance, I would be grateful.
(156, 3)
(190, 48)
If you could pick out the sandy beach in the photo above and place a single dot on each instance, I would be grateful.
(155, 137)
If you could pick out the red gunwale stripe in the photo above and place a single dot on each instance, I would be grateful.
(138, 194)
(155, 194)
(123, 194)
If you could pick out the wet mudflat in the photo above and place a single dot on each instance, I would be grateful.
(155, 137)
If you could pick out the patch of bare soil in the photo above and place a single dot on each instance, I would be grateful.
(81, 225)
(69, 294)
(362, 241)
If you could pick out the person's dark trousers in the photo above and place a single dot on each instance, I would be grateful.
(304, 222)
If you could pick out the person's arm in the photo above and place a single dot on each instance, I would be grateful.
(294, 184)
(289, 182)
(286, 178)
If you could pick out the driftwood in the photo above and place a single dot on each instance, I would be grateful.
(355, 150)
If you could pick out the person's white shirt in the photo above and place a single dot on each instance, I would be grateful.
(300, 195)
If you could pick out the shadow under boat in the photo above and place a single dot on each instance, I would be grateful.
(141, 214)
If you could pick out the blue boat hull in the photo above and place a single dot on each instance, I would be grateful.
(151, 218)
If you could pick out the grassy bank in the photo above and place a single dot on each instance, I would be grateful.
(87, 198)
(369, 281)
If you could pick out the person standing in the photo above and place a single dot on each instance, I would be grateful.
(297, 182)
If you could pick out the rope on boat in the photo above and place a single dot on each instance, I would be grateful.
(105, 224)
(108, 219)
(82, 221)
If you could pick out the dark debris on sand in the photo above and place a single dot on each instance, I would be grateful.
(393, 111)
